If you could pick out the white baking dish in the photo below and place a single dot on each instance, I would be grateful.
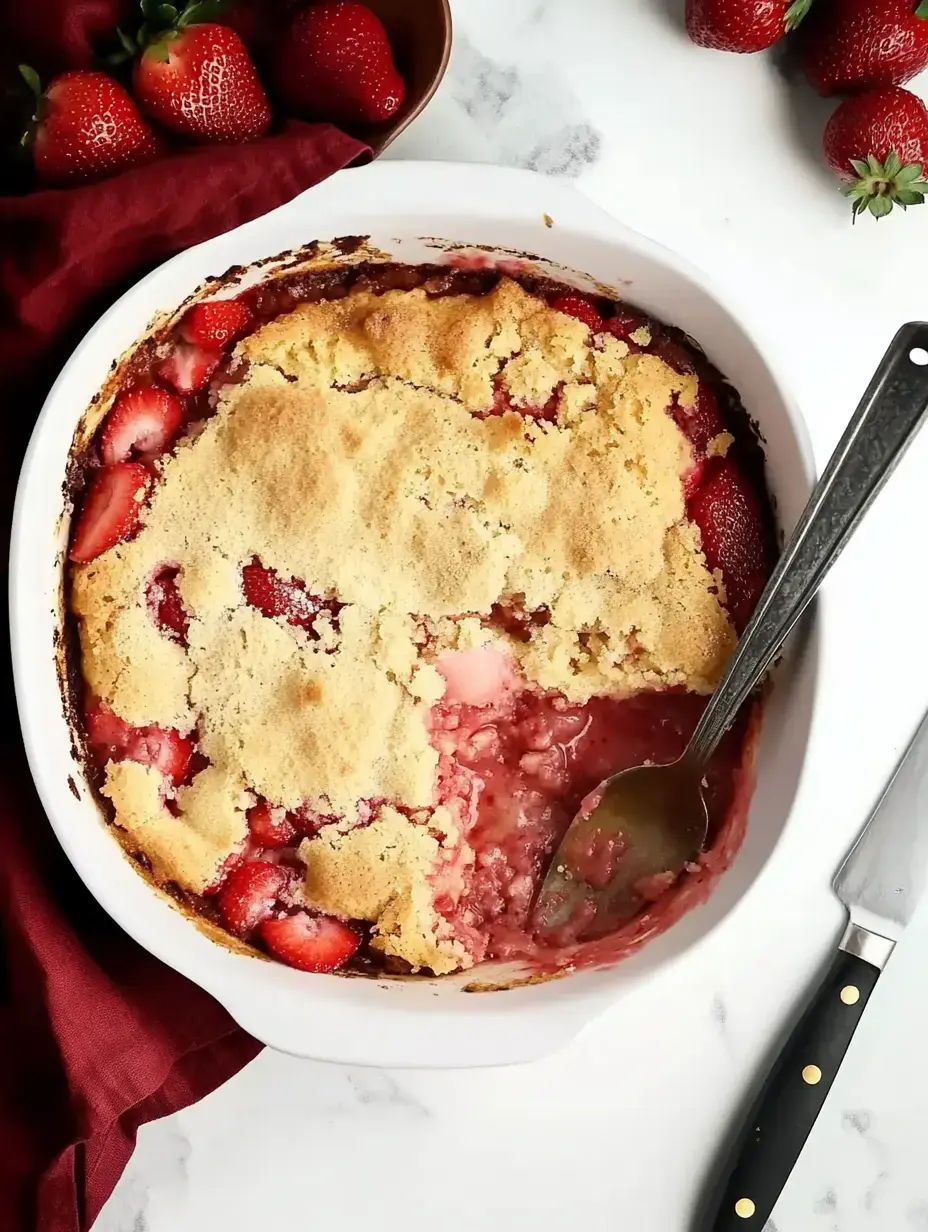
(379, 1021)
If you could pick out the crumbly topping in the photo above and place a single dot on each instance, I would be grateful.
(182, 849)
(352, 458)
(385, 873)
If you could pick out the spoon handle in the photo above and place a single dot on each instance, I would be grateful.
(884, 424)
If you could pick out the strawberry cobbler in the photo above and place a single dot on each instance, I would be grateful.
(375, 572)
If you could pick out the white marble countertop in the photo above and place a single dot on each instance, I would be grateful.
(717, 157)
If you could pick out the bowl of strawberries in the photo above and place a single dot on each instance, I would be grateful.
(221, 72)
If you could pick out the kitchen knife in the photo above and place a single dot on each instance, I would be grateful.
(880, 883)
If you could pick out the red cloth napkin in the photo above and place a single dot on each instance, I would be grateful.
(97, 1036)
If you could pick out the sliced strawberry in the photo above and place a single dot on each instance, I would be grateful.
(727, 511)
(275, 596)
(229, 865)
(164, 748)
(144, 420)
(188, 368)
(113, 739)
(107, 733)
(693, 480)
(309, 942)
(270, 827)
(110, 512)
(213, 325)
(250, 895)
(166, 605)
(581, 308)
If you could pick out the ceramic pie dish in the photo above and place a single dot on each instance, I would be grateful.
(382, 1020)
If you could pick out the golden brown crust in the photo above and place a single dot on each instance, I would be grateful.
(351, 458)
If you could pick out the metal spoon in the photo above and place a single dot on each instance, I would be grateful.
(651, 821)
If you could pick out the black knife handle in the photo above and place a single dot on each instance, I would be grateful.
(762, 1155)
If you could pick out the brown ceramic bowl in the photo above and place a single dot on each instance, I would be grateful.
(420, 33)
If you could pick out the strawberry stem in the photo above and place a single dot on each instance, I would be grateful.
(798, 10)
(880, 186)
(31, 78)
(922, 10)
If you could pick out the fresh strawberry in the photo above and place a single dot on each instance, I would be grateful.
(742, 25)
(250, 895)
(336, 64)
(166, 604)
(144, 420)
(728, 514)
(275, 596)
(878, 143)
(214, 324)
(86, 127)
(162, 747)
(269, 826)
(188, 368)
(110, 512)
(852, 45)
(197, 78)
(309, 942)
(580, 307)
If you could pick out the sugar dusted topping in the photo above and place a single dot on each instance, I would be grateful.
(352, 458)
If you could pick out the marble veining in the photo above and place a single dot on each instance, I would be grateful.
(532, 119)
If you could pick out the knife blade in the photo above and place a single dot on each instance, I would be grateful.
(884, 874)
(880, 882)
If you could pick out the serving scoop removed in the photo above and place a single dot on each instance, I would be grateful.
(642, 827)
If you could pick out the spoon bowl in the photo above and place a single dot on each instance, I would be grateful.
(614, 858)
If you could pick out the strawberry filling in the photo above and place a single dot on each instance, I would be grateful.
(112, 739)
(520, 765)
(166, 605)
(284, 598)
(271, 827)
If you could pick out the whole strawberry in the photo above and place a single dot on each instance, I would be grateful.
(851, 45)
(878, 143)
(336, 63)
(86, 127)
(742, 25)
(196, 77)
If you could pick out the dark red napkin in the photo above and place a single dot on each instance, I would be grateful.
(96, 1036)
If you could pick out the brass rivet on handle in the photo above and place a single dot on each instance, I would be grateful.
(850, 995)
(811, 1074)
(744, 1208)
